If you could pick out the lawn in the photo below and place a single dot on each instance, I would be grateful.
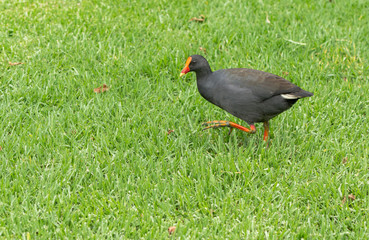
(133, 161)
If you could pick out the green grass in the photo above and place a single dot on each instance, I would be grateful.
(76, 164)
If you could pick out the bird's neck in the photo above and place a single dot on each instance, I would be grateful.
(202, 73)
(205, 84)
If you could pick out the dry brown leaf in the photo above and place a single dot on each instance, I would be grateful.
(170, 131)
(201, 18)
(344, 160)
(286, 73)
(15, 63)
(1, 148)
(203, 49)
(345, 79)
(351, 197)
(171, 230)
(343, 200)
(101, 89)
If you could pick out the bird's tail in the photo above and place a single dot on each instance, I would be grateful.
(304, 93)
(297, 95)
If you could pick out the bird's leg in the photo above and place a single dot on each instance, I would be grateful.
(266, 130)
(218, 124)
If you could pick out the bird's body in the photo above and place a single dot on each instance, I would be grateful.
(251, 95)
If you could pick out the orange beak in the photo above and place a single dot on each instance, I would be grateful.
(186, 69)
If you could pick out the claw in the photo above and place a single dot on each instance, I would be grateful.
(230, 131)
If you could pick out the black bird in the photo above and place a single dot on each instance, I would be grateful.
(251, 95)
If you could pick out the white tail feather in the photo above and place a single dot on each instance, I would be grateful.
(289, 96)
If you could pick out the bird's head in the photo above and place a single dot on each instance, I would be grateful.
(194, 63)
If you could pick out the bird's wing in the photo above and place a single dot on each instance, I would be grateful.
(263, 85)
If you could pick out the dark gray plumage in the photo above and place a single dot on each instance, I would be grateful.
(251, 95)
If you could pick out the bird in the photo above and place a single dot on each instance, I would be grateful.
(251, 95)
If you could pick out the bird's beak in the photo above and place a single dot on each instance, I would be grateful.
(186, 69)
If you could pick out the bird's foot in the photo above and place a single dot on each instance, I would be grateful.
(218, 124)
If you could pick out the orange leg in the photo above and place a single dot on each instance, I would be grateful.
(218, 124)
(266, 131)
